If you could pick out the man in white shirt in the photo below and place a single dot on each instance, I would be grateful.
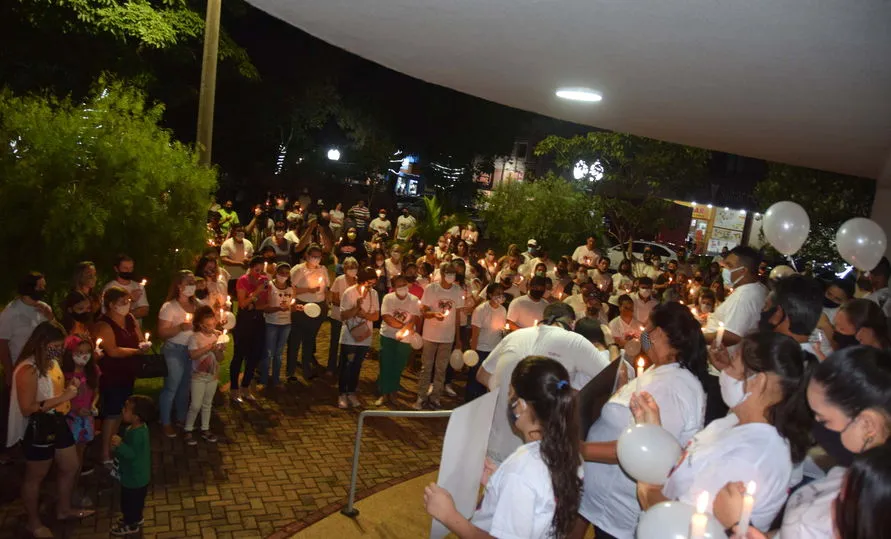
(310, 281)
(404, 224)
(236, 253)
(794, 308)
(439, 308)
(125, 279)
(531, 250)
(554, 339)
(586, 255)
(526, 311)
(643, 299)
(380, 225)
(878, 277)
(577, 301)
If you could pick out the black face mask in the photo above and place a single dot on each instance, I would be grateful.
(764, 324)
(83, 318)
(829, 304)
(37, 295)
(830, 441)
(201, 294)
(126, 275)
(411, 278)
(845, 341)
(536, 294)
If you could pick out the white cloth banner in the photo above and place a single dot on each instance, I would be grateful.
(464, 455)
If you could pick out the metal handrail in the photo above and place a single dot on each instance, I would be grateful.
(349, 510)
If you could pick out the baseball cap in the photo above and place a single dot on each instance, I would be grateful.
(532, 243)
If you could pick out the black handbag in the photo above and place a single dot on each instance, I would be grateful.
(152, 366)
(42, 428)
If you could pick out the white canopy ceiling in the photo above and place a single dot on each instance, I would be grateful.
(805, 82)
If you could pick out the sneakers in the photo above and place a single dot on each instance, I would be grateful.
(209, 437)
(342, 402)
(169, 431)
(354, 400)
(235, 394)
(121, 529)
(418, 405)
(450, 391)
(249, 396)
(190, 440)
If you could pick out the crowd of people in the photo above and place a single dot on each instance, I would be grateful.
(746, 373)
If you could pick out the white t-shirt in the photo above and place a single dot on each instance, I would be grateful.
(238, 252)
(610, 497)
(174, 313)
(519, 501)
(350, 299)
(586, 256)
(205, 366)
(17, 322)
(340, 284)
(577, 302)
(400, 309)
(643, 307)
(491, 323)
(741, 311)
(440, 300)
(620, 329)
(304, 277)
(525, 311)
(726, 452)
(393, 269)
(809, 509)
(576, 353)
(381, 226)
(880, 297)
(403, 225)
(131, 287)
(336, 217)
(281, 298)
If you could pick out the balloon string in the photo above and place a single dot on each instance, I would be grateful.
(792, 261)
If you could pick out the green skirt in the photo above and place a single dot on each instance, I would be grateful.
(393, 359)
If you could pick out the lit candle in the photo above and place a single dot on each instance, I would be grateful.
(321, 279)
(693, 311)
(642, 329)
(98, 342)
(506, 326)
(681, 302)
(293, 301)
(222, 314)
(361, 290)
(220, 278)
(699, 522)
(229, 301)
(225, 331)
(265, 264)
(445, 313)
(146, 336)
(188, 317)
(640, 371)
(719, 338)
(144, 282)
(534, 323)
(379, 272)
(560, 295)
(746, 514)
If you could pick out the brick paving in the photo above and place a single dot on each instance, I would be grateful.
(279, 466)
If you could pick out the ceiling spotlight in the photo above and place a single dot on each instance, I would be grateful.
(579, 94)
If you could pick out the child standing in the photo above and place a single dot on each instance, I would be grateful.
(206, 354)
(133, 453)
(78, 362)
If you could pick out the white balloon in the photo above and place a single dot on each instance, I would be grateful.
(416, 341)
(229, 322)
(456, 360)
(861, 242)
(471, 358)
(647, 453)
(780, 272)
(671, 520)
(786, 226)
(312, 310)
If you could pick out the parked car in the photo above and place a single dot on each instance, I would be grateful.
(616, 252)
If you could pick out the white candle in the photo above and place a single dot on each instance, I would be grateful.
(719, 338)
(506, 326)
(265, 264)
(229, 301)
(639, 373)
(699, 522)
(693, 311)
(146, 336)
(746, 514)
(379, 272)
(188, 317)
(445, 313)
(222, 314)
(144, 282)
(98, 342)
(534, 323)
(321, 279)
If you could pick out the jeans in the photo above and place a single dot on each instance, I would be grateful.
(204, 387)
(132, 504)
(475, 389)
(334, 345)
(177, 382)
(434, 360)
(351, 357)
(249, 336)
(303, 335)
(276, 338)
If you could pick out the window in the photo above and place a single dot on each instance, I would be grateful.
(661, 251)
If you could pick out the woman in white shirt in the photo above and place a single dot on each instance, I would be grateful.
(535, 492)
(850, 396)
(679, 359)
(341, 283)
(487, 329)
(400, 313)
(359, 309)
(276, 302)
(336, 216)
(767, 431)
(175, 327)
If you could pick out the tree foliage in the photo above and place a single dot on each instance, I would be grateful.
(88, 180)
(553, 211)
(830, 199)
(639, 174)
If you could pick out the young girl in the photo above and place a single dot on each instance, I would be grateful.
(535, 492)
(206, 356)
(78, 362)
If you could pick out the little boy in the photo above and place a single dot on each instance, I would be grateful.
(134, 455)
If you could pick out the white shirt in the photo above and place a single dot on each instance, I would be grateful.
(577, 302)
(519, 501)
(609, 498)
(303, 276)
(381, 226)
(620, 329)
(349, 300)
(741, 311)
(491, 323)
(809, 509)
(277, 297)
(336, 217)
(643, 307)
(401, 309)
(726, 452)
(131, 286)
(17, 322)
(174, 313)
(340, 284)
(238, 252)
(525, 311)
(585, 256)
(550, 267)
(403, 225)
(880, 297)
(573, 351)
(393, 268)
(440, 300)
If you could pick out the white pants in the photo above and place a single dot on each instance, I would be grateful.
(203, 389)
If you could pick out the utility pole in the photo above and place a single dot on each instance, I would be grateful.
(208, 81)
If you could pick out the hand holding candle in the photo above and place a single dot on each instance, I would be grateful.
(745, 515)
(188, 317)
(699, 522)
(640, 370)
(143, 283)
(719, 338)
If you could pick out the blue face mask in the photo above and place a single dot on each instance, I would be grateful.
(645, 343)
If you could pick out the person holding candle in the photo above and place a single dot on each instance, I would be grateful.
(524, 310)
(281, 246)
(766, 433)
(586, 255)
(335, 293)
(400, 313)
(625, 327)
(535, 493)
(487, 330)
(236, 253)
(78, 362)
(249, 331)
(206, 353)
(276, 304)
(121, 346)
(678, 356)
(644, 302)
(310, 282)
(175, 327)
(358, 310)
(794, 308)
(125, 277)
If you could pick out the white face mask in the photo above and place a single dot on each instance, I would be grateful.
(499, 299)
(401, 292)
(352, 272)
(382, 216)
(449, 278)
(239, 236)
(281, 279)
(727, 276)
(644, 292)
(80, 359)
(732, 390)
(705, 309)
(122, 310)
(189, 290)
(314, 261)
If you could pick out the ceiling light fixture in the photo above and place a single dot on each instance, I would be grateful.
(579, 94)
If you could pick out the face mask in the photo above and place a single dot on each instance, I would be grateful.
(189, 290)
(764, 324)
(81, 359)
(382, 216)
(239, 236)
(314, 260)
(449, 278)
(279, 234)
(201, 294)
(645, 343)
(351, 235)
(831, 442)
(845, 341)
(732, 390)
(644, 293)
(536, 294)
(352, 272)
(396, 256)
(122, 310)
(498, 299)
(126, 275)
(705, 309)
(727, 276)
(401, 292)
(281, 279)
(829, 304)
(37, 295)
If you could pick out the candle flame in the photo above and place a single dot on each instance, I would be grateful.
(98, 342)
(720, 324)
(146, 335)
(446, 312)
(642, 329)
(225, 331)
(144, 282)
(750, 488)
(702, 502)
(641, 362)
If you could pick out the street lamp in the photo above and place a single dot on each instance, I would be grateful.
(334, 154)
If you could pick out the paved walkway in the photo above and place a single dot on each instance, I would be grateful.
(279, 466)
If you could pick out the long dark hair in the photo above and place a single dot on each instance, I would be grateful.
(684, 334)
(861, 510)
(856, 379)
(772, 352)
(864, 313)
(43, 334)
(544, 384)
